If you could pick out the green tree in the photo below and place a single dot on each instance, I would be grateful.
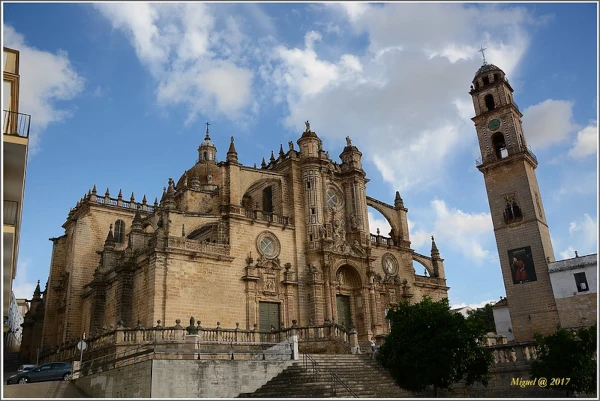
(568, 354)
(484, 317)
(431, 346)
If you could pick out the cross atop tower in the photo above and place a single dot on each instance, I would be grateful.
(482, 53)
(207, 124)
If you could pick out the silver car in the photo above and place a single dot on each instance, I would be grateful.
(25, 368)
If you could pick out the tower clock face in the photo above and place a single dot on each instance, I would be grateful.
(494, 124)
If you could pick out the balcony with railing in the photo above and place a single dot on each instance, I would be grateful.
(511, 151)
(11, 212)
(16, 124)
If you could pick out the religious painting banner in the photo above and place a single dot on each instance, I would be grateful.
(521, 265)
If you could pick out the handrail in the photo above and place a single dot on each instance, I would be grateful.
(335, 379)
(16, 124)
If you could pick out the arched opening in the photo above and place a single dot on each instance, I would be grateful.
(207, 233)
(489, 102)
(486, 80)
(499, 145)
(512, 211)
(348, 298)
(205, 156)
(378, 223)
(264, 195)
(420, 269)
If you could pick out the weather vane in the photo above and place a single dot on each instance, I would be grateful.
(483, 54)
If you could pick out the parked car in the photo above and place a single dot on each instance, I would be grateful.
(42, 373)
(24, 368)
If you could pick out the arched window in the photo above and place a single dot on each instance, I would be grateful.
(499, 145)
(119, 231)
(205, 155)
(489, 102)
(268, 200)
(512, 211)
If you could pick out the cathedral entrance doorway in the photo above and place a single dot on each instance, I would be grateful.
(344, 314)
(348, 303)
(269, 316)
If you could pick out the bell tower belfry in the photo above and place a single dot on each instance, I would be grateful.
(520, 226)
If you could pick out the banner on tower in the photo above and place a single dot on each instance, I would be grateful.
(521, 265)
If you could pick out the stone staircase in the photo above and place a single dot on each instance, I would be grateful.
(360, 373)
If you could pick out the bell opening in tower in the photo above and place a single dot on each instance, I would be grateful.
(489, 102)
(499, 145)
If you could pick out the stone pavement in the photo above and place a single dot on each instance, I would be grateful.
(53, 389)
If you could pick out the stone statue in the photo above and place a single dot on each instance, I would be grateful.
(340, 278)
(348, 141)
(307, 126)
(291, 145)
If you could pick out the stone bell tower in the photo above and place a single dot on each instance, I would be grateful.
(520, 226)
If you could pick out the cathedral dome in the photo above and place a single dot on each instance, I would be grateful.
(204, 169)
(207, 143)
(485, 68)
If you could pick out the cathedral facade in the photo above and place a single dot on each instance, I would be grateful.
(250, 247)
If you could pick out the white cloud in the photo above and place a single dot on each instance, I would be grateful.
(576, 184)
(464, 232)
(378, 222)
(45, 78)
(584, 233)
(197, 59)
(586, 143)
(567, 253)
(548, 123)
(418, 237)
(23, 285)
(374, 82)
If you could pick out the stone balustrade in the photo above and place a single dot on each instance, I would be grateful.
(117, 340)
(196, 246)
(514, 353)
(264, 216)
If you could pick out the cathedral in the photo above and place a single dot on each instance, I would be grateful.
(287, 243)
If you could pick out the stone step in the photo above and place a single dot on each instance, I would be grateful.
(359, 372)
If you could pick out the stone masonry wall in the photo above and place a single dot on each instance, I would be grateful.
(211, 379)
(125, 382)
(536, 311)
(576, 311)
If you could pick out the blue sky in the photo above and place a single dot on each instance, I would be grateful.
(119, 94)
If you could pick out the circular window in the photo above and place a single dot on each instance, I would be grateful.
(268, 245)
(389, 264)
(333, 198)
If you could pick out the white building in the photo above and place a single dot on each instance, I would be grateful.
(574, 283)
(575, 288)
(502, 319)
(463, 311)
(14, 332)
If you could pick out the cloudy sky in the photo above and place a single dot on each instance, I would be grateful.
(119, 94)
